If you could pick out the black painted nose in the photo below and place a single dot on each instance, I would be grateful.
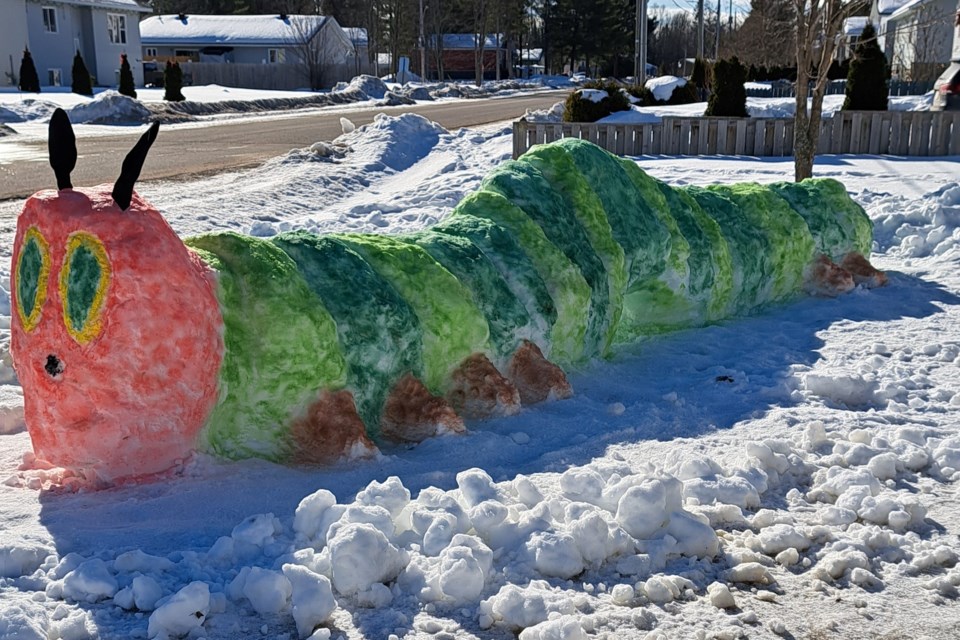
(54, 366)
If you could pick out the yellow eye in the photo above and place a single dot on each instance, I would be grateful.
(33, 269)
(84, 280)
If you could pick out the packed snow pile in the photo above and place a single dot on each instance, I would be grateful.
(662, 86)
(110, 107)
(931, 228)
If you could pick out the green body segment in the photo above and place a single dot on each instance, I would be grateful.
(838, 224)
(453, 327)
(378, 331)
(791, 241)
(506, 317)
(750, 254)
(564, 282)
(281, 347)
(568, 247)
(521, 183)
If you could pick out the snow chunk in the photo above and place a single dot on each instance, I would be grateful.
(642, 510)
(16, 561)
(310, 513)
(390, 494)
(182, 613)
(520, 608)
(850, 390)
(781, 537)
(137, 560)
(90, 582)
(720, 596)
(560, 628)
(555, 554)
(267, 591)
(361, 555)
(312, 597)
(750, 572)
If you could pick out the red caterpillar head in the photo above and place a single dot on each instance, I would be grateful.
(116, 332)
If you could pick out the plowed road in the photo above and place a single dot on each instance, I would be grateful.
(188, 151)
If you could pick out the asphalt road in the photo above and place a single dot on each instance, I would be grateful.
(186, 152)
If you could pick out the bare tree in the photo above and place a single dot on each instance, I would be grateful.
(307, 41)
(818, 28)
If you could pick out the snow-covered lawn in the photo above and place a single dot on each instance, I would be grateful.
(789, 474)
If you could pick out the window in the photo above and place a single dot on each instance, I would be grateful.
(150, 52)
(49, 19)
(275, 56)
(53, 77)
(117, 28)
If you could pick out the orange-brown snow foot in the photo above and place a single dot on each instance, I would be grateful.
(479, 391)
(536, 378)
(826, 278)
(331, 430)
(413, 414)
(862, 271)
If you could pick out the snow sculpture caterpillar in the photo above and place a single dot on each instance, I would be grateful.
(135, 348)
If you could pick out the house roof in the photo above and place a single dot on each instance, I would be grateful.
(853, 27)
(886, 7)
(229, 30)
(907, 8)
(357, 35)
(126, 5)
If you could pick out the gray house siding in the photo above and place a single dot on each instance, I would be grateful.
(84, 29)
(13, 37)
(54, 51)
(108, 54)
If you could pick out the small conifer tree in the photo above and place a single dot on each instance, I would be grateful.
(867, 86)
(29, 81)
(173, 83)
(126, 78)
(81, 77)
(729, 97)
(699, 78)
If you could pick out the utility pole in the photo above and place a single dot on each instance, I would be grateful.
(700, 28)
(640, 44)
(716, 45)
(423, 47)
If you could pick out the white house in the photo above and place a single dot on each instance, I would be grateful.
(54, 30)
(880, 12)
(921, 36)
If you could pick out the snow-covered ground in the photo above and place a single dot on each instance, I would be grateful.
(791, 474)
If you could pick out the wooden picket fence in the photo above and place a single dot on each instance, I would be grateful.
(900, 133)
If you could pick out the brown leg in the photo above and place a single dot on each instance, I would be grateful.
(413, 414)
(537, 379)
(863, 272)
(330, 430)
(826, 278)
(480, 391)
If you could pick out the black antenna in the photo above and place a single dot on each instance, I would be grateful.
(123, 187)
(62, 148)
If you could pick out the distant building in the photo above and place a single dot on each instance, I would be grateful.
(458, 54)
(259, 52)
(54, 31)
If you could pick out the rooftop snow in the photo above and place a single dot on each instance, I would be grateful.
(232, 30)
(855, 26)
(357, 35)
(129, 5)
(886, 7)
